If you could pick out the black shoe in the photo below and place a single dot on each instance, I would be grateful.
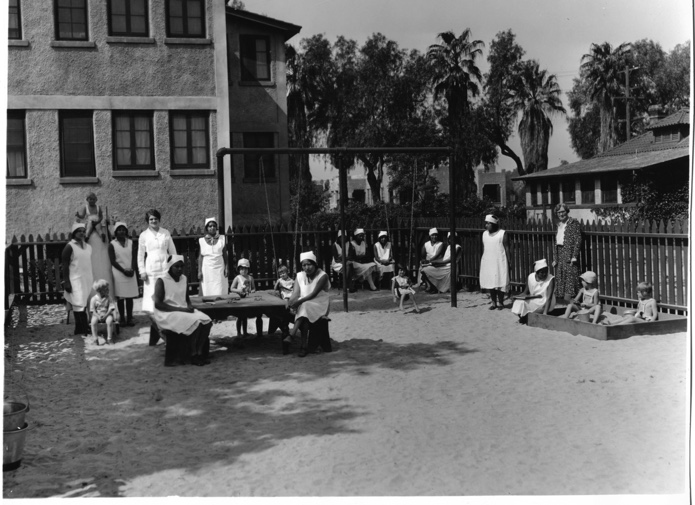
(302, 353)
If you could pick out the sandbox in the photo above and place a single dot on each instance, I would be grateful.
(667, 323)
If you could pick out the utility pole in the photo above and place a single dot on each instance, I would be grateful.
(627, 99)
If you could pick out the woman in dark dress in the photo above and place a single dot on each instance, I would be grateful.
(568, 243)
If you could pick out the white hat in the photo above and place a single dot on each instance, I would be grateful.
(119, 224)
(174, 259)
(210, 219)
(383, 234)
(433, 231)
(588, 276)
(243, 262)
(76, 226)
(491, 219)
(309, 255)
(539, 265)
(359, 231)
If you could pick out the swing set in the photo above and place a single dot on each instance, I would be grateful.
(341, 152)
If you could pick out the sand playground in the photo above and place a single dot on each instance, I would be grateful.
(448, 402)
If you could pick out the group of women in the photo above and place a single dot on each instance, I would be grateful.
(88, 257)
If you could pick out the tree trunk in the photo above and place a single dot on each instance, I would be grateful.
(506, 150)
(374, 176)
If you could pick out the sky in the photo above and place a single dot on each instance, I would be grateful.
(556, 33)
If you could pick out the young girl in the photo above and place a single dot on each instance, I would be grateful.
(402, 287)
(587, 300)
(647, 308)
(244, 285)
(103, 310)
(93, 215)
(285, 284)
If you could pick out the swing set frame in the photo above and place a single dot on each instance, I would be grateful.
(342, 152)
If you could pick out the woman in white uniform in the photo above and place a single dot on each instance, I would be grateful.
(311, 300)
(77, 268)
(125, 285)
(188, 329)
(212, 261)
(495, 263)
(431, 251)
(383, 257)
(539, 295)
(438, 273)
(362, 268)
(154, 247)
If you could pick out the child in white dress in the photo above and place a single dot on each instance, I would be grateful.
(243, 285)
(402, 288)
(103, 310)
(587, 300)
(93, 216)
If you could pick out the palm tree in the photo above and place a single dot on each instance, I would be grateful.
(601, 67)
(456, 77)
(536, 95)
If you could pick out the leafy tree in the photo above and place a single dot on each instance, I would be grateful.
(602, 67)
(673, 79)
(237, 4)
(456, 77)
(505, 59)
(585, 123)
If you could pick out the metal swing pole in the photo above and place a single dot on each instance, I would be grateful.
(342, 186)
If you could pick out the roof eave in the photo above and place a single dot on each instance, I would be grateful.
(289, 30)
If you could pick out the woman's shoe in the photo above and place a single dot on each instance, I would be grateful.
(492, 307)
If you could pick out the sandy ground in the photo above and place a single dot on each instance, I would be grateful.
(451, 401)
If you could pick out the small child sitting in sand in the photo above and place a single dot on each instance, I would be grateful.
(647, 308)
(402, 288)
(103, 310)
(587, 300)
(93, 216)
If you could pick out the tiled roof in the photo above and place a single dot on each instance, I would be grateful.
(640, 152)
(680, 117)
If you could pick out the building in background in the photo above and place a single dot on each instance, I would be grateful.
(662, 153)
(130, 99)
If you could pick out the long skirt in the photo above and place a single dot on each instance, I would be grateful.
(567, 283)
(361, 271)
(439, 277)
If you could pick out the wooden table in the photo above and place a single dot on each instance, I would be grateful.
(253, 305)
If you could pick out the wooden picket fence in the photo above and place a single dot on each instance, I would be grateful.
(621, 255)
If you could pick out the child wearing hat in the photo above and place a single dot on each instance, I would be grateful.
(587, 300)
(243, 285)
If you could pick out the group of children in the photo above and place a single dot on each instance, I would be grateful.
(586, 306)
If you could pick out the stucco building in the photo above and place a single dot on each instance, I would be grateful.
(130, 99)
(662, 153)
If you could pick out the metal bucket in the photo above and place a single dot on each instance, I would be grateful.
(13, 442)
(13, 415)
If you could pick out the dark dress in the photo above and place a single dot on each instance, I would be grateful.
(567, 283)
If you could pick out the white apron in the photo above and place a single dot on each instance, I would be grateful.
(523, 307)
(318, 306)
(384, 254)
(80, 275)
(494, 270)
(214, 282)
(154, 248)
(123, 286)
(178, 322)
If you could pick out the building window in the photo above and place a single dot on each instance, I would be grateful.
(254, 162)
(14, 22)
(609, 189)
(554, 193)
(568, 193)
(588, 194)
(128, 18)
(77, 144)
(545, 193)
(534, 195)
(255, 58)
(492, 192)
(71, 19)
(16, 145)
(190, 145)
(133, 141)
(185, 18)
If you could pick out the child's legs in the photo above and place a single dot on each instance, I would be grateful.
(109, 327)
(570, 308)
(241, 325)
(403, 297)
(596, 310)
(94, 322)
